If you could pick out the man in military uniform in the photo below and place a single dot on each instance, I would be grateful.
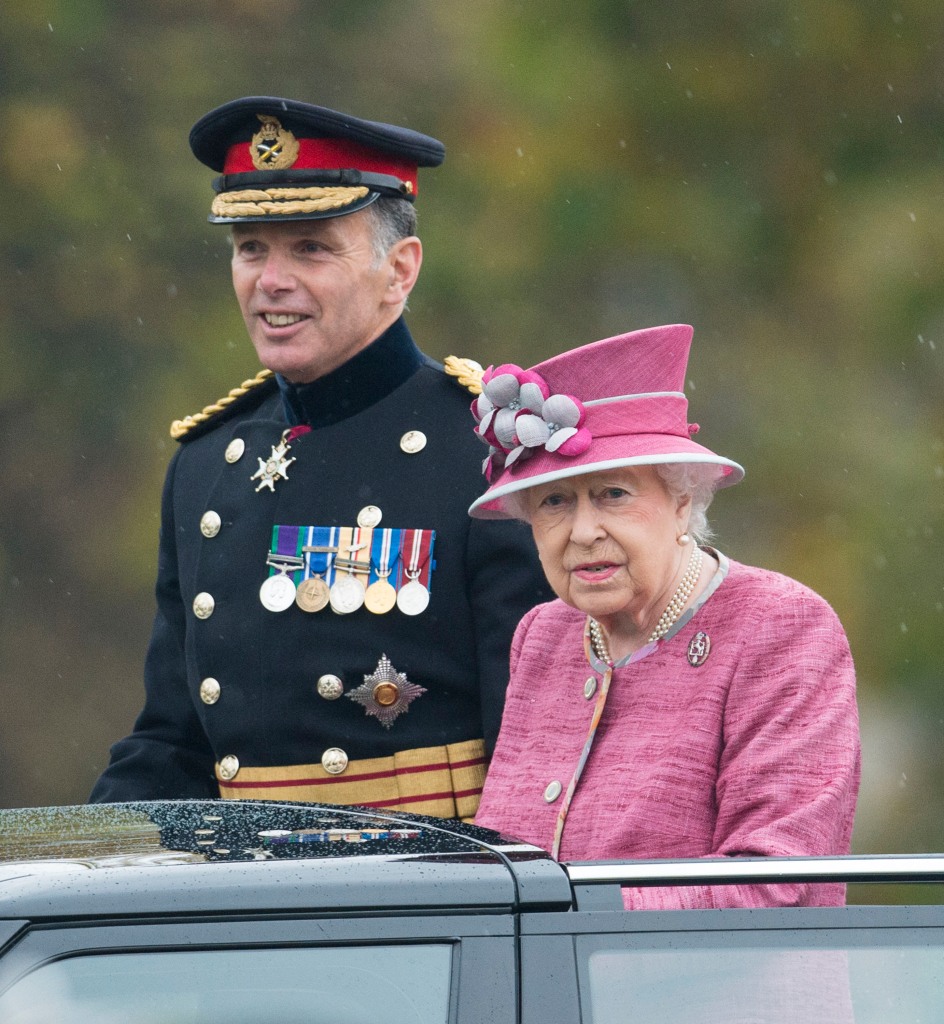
(331, 626)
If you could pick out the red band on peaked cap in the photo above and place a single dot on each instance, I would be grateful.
(328, 155)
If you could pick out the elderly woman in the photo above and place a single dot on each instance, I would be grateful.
(672, 702)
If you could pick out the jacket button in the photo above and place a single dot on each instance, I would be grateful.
(229, 766)
(210, 524)
(209, 690)
(330, 687)
(590, 688)
(552, 792)
(413, 441)
(203, 605)
(334, 760)
(235, 449)
(369, 517)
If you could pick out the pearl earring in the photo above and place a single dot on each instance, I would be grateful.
(684, 539)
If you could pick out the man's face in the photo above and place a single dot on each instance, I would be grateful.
(313, 293)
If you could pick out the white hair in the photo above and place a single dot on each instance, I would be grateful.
(697, 481)
(694, 480)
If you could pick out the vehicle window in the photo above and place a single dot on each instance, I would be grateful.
(406, 984)
(819, 983)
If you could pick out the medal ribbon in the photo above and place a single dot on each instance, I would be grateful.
(384, 542)
(287, 540)
(366, 538)
(416, 550)
(333, 541)
(350, 550)
(345, 542)
(390, 553)
(317, 562)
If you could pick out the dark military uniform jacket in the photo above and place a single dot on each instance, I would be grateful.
(247, 702)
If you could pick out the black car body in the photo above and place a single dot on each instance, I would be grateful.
(179, 912)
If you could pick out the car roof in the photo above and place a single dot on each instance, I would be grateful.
(162, 857)
(220, 856)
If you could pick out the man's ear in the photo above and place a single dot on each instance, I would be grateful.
(403, 263)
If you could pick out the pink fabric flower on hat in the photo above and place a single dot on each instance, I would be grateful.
(507, 390)
(559, 427)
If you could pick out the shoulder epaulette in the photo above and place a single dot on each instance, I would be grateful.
(466, 371)
(179, 428)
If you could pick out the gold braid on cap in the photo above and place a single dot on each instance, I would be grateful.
(467, 371)
(180, 427)
(254, 202)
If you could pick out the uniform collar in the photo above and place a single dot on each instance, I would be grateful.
(362, 381)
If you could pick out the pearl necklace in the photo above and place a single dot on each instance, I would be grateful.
(598, 643)
(669, 616)
(680, 597)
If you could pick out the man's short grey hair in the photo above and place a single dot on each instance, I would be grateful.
(392, 218)
(682, 479)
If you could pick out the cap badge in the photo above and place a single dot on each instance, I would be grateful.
(273, 148)
(386, 693)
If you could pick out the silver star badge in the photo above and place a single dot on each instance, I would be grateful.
(386, 693)
(275, 467)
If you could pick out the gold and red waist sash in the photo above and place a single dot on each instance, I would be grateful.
(444, 782)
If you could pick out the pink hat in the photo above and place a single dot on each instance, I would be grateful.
(617, 402)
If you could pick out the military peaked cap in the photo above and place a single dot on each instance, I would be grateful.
(280, 159)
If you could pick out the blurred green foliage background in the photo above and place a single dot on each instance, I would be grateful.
(770, 172)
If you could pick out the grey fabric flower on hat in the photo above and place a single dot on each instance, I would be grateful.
(516, 413)
(558, 428)
(506, 391)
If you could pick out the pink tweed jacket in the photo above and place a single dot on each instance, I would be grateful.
(753, 752)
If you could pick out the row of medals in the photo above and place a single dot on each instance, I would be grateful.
(345, 595)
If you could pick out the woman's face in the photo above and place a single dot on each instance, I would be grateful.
(608, 542)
